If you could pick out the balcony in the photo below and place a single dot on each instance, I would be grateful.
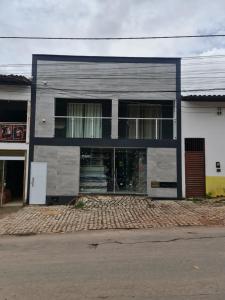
(147, 128)
(82, 127)
(13, 132)
(152, 120)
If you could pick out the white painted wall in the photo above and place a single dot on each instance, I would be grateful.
(200, 120)
(15, 92)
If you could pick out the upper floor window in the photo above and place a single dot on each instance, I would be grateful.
(146, 120)
(136, 119)
(75, 119)
(84, 120)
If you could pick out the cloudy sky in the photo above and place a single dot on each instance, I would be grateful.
(101, 18)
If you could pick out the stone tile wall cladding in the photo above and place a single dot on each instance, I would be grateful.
(64, 169)
(161, 166)
(63, 164)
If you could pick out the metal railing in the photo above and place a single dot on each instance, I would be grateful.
(82, 127)
(13, 132)
(147, 128)
(129, 128)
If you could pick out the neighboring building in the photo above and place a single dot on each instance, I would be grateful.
(14, 138)
(104, 125)
(203, 123)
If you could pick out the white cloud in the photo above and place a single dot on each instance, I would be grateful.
(111, 18)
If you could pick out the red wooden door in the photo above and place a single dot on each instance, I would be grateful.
(195, 167)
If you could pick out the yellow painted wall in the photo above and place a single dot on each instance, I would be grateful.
(215, 185)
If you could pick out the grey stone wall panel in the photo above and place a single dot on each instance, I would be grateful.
(63, 165)
(161, 167)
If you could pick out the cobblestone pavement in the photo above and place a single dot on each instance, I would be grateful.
(105, 213)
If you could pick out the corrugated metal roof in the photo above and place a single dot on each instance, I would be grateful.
(14, 79)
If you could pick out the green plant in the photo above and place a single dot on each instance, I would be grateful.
(195, 200)
(209, 195)
(79, 205)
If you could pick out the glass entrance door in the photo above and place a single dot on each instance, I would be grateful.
(118, 170)
(96, 170)
(130, 171)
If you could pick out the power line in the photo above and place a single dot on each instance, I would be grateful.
(113, 38)
(205, 77)
(184, 58)
(127, 91)
(93, 93)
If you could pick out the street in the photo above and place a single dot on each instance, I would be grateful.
(180, 263)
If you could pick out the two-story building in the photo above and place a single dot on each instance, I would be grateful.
(104, 125)
(14, 138)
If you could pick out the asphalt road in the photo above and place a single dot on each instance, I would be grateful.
(143, 264)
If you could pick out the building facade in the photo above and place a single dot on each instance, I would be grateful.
(104, 125)
(203, 123)
(14, 138)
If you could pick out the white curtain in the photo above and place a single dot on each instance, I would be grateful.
(146, 128)
(86, 120)
(93, 126)
(133, 112)
(75, 122)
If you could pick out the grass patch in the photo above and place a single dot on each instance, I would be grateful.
(79, 205)
(209, 195)
(195, 200)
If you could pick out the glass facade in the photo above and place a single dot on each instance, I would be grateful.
(96, 170)
(116, 170)
(130, 171)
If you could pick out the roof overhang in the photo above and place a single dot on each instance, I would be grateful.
(14, 80)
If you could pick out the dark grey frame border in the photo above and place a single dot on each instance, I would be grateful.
(107, 142)
(204, 98)
(88, 142)
(32, 121)
(179, 137)
(104, 59)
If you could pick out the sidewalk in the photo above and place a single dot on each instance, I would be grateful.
(119, 213)
(7, 210)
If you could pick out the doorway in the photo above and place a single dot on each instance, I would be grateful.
(113, 170)
(195, 167)
(11, 182)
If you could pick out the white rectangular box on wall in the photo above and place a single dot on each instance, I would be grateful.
(38, 182)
